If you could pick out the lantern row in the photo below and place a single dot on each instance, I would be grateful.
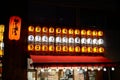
(65, 31)
(58, 48)
(64, 40)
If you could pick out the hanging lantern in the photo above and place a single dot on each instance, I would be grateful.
(77, 49)
(51, 30)
(30, 47)
(58, 30)
(64, 31)
(71, 31)
(100, 33)
(89, 32)
(14, 28)
(77, 32)
(31, 29)
(37, 29)
(94, 33)
(51, 48)
(65, 48)
(83, 32)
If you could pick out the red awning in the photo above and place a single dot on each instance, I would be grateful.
(69, 59)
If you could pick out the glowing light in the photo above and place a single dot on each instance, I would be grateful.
(65, 40)
(44, 48)
(77, 40)
(65, 48)
(89, 41)
(71, 40)
(51, 30)
(95, 41)
(83, 41)
(44, 39)
(112, 68)
(30, 38)
(71, 31)
(71, 48)
(37, 29)
(95, 49)
(77, 32)
(51, 39)
(2, 28)
(31, 29)
(94, 33)
(100, 41)
(58, 48)
(104, 69)
(83, 32)
(89, 49)
(89, 32)
(77, 49)
(100, 33)
(51, 48)
(101, 50)
(37, 47)
(30, 47)
(84, 49)
(45, 30)
(64, 31)
(58, 30)
(58, 40)
(37, 38)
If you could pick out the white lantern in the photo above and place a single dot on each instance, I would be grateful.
(77, 40)
(44, 39)
(30, 38)
(64, 39)
(58, 39)
(95, 41)
(100, 41)
(83, 41)
(51, 39)
(89, 41)
(38, 38)
(71, 40)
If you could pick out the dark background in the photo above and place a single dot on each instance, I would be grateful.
(102, 14)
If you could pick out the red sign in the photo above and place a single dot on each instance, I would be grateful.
(14, 28)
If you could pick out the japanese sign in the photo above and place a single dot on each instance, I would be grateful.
(14, 28)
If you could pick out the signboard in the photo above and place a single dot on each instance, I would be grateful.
(14, 28)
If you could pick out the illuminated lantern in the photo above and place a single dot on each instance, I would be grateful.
(30, 47)
(71, 48)
(89, 41)
(14, 28)
(31, 38)
(58, 48)
(100, 41)
(65, 48)
(51, 48)
(37, 47)
(101, 50)
(1, 36)
(37, 29)
(44, 48)
(95, 49)
(77, 49)
(77, 40)
(37, 38)
(89, 49)
(1, 52)
(84, 49)
(44, 39)
(51, 39)
(65, 40)
(100, 33)
(31, 29)
(94, 33)
(2, 28)
(89, 32)
(83, 32)
(58, 30)
(77, 32)
(58, 40)
(44, 30)
(83, 41)
(95, 41)
(71, 40)
(71, 31)
(64, 31)
(51, 30)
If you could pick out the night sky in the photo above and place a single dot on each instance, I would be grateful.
(101, 13)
